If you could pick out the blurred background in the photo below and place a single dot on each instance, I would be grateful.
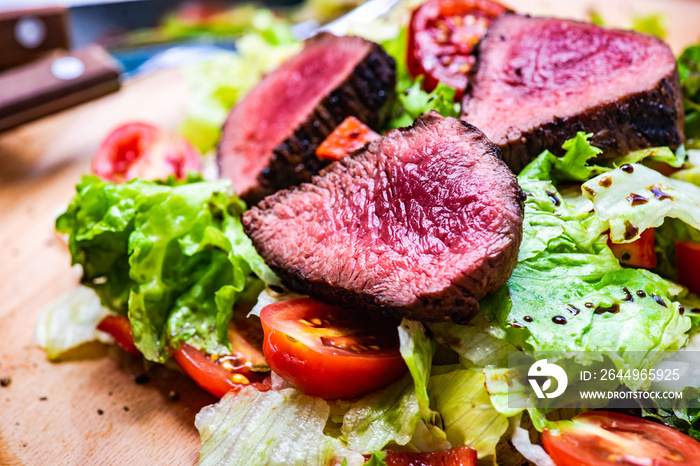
(114, 40)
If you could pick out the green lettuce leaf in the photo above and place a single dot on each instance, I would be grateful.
(468, 416)
(173, 256)
(478, 344)
(377, 459)
(388, 415)
(572, 166)
(653, 154)
(269, 428)
(566, 272)
(417, 350)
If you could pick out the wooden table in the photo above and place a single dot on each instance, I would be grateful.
(90, 410)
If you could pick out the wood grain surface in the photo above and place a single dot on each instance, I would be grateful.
(90, 409)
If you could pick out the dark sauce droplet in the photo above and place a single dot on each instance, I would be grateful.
(518, 325)
(636, 199)
(630, 230)
(605, 182)
(528, 319)
(695, 310)
(589, 305)
(660, 195)
(559, 320)
(659, 300)
(681, 309)
(628, 295)
(554, 198)
(627, 168)
(572, 309)
(641, 294)
(614, 309)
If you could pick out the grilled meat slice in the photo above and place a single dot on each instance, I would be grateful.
(269, 139)
(540, 80)
(422, 223)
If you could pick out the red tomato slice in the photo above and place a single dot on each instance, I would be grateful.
(349, 136)
(599, 438)
(460, 456)
(215, 375)
(687, 264)
(140, 150)
(442, 36)
(328, 351)
(120, 329)
(638, 253)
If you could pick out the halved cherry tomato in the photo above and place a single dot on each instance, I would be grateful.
(213, 375)
(442, 36)
(638, 253)
(688, 264)
(346, 138)
(140, 150)
(217, 375)
(120, 329)
(328, 351)
(460, 456)
(599, 438)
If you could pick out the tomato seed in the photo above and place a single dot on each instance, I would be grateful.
(306, 322)
(240, 378)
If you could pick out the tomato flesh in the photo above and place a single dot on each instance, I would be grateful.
(120, 329)
(213, 375)
(140, 150)
(328, 351)
(638, 253)
(462, 456)
(349, 136)
(599, 438)
(218, 374)
(687, 263)
(442, 36)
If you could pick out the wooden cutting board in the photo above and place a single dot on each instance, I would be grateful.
(90, 409)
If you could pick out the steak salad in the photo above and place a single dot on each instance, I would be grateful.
(364, 309)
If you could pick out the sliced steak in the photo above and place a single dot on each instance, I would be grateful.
(422, 223)
(270, 137)
(540, 80)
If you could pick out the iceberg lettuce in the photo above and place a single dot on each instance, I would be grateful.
(468, 416)
(391, 415)
(269, 428)
(70, 322)
(638, 198)
(567, 275)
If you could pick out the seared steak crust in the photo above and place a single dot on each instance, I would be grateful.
(364, 95)
(538, 81)
(423, 223)
(270, 137)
